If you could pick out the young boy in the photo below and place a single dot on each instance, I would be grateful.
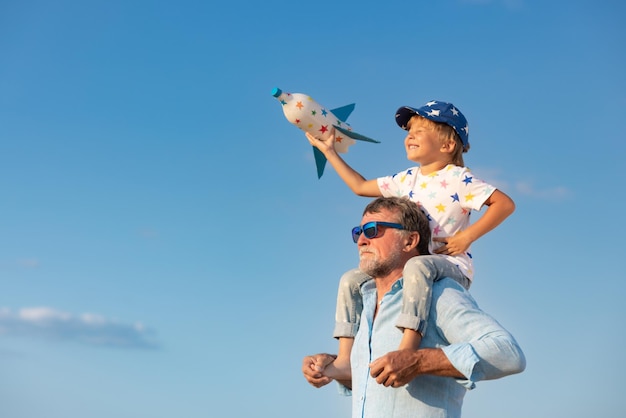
(446, 191)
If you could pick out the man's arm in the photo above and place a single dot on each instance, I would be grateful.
(479, 347)
(398, 368)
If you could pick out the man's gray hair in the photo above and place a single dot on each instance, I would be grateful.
(409, 215)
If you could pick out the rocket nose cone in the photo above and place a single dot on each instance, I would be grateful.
(276, 92)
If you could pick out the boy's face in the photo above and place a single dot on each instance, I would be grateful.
(422, 142)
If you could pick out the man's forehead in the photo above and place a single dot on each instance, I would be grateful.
(382, 215)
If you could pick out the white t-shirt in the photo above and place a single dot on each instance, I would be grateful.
(447, 196)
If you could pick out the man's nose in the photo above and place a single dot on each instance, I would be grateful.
(363, 240)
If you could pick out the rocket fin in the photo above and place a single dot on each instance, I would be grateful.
(320, 162)
(354, 135)
(343, 112)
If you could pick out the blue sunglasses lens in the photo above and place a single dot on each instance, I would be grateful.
(370, 230)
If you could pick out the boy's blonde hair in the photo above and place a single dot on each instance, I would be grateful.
(446, 135)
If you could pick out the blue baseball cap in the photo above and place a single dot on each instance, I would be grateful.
(437, 111)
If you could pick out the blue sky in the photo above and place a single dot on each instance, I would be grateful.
(167, 249)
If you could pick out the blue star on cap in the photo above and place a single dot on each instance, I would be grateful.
(437, 111)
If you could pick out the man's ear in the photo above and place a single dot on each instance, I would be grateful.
(411, 241)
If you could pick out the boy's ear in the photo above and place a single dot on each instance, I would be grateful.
(448, 146)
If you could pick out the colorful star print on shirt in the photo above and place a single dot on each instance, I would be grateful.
(447, 196)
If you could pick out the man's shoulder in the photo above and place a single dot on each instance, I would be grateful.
(450, 302)
(448, 282)
(448, 289)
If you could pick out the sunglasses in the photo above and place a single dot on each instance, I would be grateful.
(370, 229)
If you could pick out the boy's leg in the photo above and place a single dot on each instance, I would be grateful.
(349, 303)
(419, 275)
(347, 318)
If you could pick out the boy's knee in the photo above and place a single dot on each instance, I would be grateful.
(418, 263)
(352, 277)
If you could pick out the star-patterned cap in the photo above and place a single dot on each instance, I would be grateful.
(437, 111)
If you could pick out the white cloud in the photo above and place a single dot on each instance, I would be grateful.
(87, 328)
(525, 188)
(28, 263)
(554, 193)
(38, 315)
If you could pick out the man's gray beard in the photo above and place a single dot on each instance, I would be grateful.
(374, 267)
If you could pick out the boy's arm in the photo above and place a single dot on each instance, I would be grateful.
(356, 182)
(313, 370)
(500, 206)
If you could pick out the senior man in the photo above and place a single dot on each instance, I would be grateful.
(461, 344)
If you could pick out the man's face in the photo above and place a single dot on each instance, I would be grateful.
(382, 254)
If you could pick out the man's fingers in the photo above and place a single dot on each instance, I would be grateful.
(385, 382)
(378, 373)
(398, 384)
(375, 368)
(383, 376)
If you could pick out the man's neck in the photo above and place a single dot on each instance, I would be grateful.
(384, 284)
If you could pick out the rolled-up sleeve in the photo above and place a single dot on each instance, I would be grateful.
(343, 390)
(480, 348)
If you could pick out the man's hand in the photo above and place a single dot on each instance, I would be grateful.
(313, 369)
(396, 368)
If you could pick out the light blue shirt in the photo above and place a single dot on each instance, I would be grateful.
(474, 342)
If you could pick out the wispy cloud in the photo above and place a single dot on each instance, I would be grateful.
(525, 188)
(552, 193)
(87, 328)
(28, 263)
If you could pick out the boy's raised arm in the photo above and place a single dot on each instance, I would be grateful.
(355, 181)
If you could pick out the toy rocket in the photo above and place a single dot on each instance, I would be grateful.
(304, 112)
